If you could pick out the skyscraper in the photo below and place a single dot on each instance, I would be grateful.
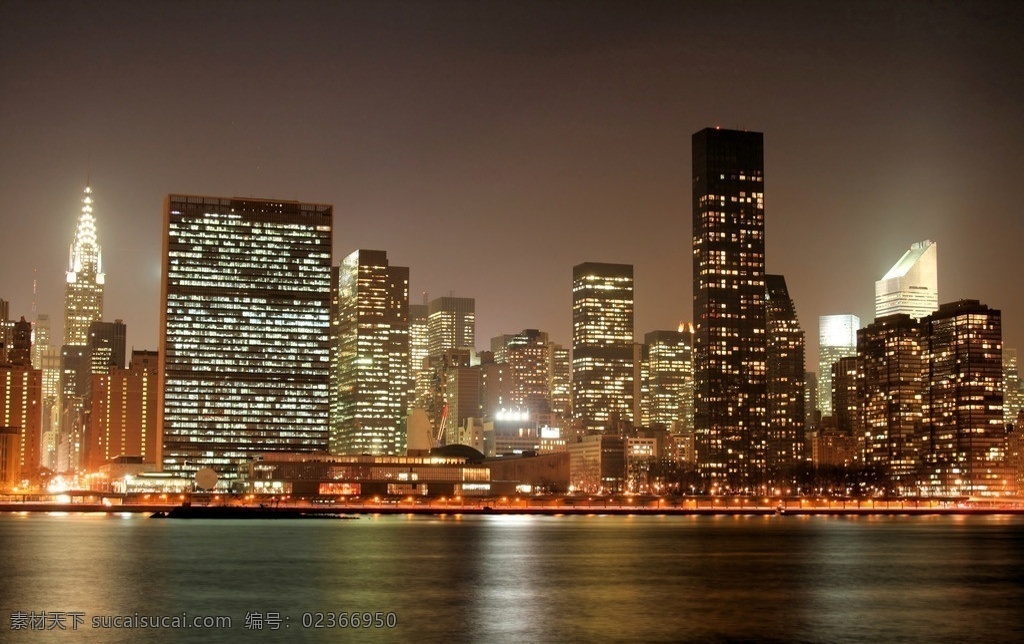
(602, 344)
(419, 343)
(122, 419)
(912, 285)
(244, 342)
(526, 354)
(669, 371)
(963, 445)
(83, 293)
(890, 387)
(837, 338)
(107, 344)
(451, 324)
(730, 341)
(370, 355)
(560, 380)
(1013, 395)
(21, 392)
(6, 328)
(47, 358)
(785, 364)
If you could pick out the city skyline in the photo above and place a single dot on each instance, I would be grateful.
(569, 123)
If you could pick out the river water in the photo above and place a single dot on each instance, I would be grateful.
(514, 579)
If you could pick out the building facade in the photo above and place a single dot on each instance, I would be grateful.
(83, 293)
(245, 321)
(964, 437)
(911, 286)
(370, 381)
(730, 344)
(21, 395)
(527, 353)
(602, 344)
(1013, 394)
(123, 418)
(837, 338)
(668, 358)
(890, 386)
(451, 324)
(785, 364)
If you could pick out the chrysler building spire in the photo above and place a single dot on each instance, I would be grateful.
(83, 295)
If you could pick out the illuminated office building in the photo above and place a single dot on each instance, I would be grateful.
(526, 353)
(419, 338)
(74, 391)
(811, 413)
(107, 345)
(6, 327)
(123, 419)
(46, 358)
(560, 380)
(370, 355)
(785, 363)
(845, 405)
(451, 324)
(21, 393)
(83, 294)
(837, 338)
(890, 389)
(244, 343)
(1013, 395)
(963, 448)
(911, 286)
(730, 343)
(602, 344)
(668, 360)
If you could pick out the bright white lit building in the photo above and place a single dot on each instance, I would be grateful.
(837, 338)
(912, 285)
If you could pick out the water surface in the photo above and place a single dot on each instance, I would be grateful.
(524, 579)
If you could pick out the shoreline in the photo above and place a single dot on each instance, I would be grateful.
(451, 510)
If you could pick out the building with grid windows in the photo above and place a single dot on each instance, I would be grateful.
(245, 320)
(837, 338)
(964, 439)
(369, 354)
(602, 344)
(890, 377)
(730, 344)
(668, 393)
(785, 442)
(451, 324)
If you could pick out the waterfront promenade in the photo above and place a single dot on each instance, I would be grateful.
(690, 506)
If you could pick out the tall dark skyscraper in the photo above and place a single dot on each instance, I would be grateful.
(785, 444)
(730, 339)
(106, 346)
(244, 343)
(602, 344)
(890, 389)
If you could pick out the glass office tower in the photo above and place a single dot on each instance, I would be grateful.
(244, 346)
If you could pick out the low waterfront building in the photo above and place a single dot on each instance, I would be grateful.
(360, 475)
(597, 464)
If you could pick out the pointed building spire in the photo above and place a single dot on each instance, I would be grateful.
(83, 299)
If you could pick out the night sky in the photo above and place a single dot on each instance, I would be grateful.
(490, 146)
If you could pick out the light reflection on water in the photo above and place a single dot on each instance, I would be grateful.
(518, 578)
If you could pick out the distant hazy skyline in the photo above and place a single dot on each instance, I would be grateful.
(492, 146)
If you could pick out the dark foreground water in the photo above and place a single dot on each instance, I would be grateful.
(518, 579)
